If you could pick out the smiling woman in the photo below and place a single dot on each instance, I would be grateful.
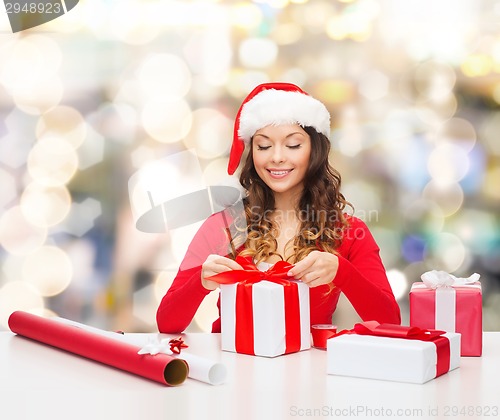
(293, 211)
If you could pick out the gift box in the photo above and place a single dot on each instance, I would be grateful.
(447, 303)
(393, 353)
(264, 314)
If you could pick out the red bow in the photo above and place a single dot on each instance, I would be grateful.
(396, 331)
(176, 344)
(250, 274)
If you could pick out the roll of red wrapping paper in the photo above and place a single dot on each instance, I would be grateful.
(321, 333)
(161, 368)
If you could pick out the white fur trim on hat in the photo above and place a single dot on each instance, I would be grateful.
(279, 107)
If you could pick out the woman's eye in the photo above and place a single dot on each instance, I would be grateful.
(263, 147)
(296, 146)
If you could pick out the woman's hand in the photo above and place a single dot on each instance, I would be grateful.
(215, 264)
(316, 269)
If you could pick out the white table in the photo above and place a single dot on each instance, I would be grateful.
(41, 382)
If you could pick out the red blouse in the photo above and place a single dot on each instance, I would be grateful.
(361, 277)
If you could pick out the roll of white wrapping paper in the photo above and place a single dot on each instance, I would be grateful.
(200, 368)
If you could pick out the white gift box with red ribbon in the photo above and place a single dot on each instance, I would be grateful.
(391, 358)
(268, 313)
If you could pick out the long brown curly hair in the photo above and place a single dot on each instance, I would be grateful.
(320, 210)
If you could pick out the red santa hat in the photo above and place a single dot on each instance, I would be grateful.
(275, 104)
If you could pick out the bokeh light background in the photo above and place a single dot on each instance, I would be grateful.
(90, 99)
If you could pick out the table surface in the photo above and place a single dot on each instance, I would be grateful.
(41, 382)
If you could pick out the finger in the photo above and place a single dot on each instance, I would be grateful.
(233, 265)
(308, 278)
(301, 267)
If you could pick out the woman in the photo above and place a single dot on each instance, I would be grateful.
(294, 211)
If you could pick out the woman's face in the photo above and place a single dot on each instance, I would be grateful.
(281, 157)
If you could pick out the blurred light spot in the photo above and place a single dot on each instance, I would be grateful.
(398, 282)
(245, 15)
(489, 132)
(476, 65)
(448, 196)
(215, 173)
(164, 75)
(446, 252)
(12, 267)
(348, 25)
(458, 131)
(434, 80)
(210, 54)
(209, 133)
(448, 164)
(18, 296)
(40, 98)
(29, 61)
(287, 33)
(43, 206)
(167, 120)
(48, 269)
(132, 22)
(52, 161)
(8, 191)
(63, 121)
(81, 217)
(314, 16)
(436, 113)
(374, 85)
(241, 83)
(258, 52)
(29, 73)
(17, 235)
(413, 248)
(277, 4)
(334, 91)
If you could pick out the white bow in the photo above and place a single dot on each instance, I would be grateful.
(156, 346)
(435, 279)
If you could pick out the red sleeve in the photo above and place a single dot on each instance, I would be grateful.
(179, 305)
(362, 278)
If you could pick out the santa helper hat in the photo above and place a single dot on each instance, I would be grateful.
(275, 104)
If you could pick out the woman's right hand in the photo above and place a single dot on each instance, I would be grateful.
(215, 264)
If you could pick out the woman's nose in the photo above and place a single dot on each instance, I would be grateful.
(278, 155)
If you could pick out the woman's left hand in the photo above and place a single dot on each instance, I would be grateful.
(316, 269)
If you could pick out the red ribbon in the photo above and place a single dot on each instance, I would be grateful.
(246, 278)
(177, 344)
(409, 333)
